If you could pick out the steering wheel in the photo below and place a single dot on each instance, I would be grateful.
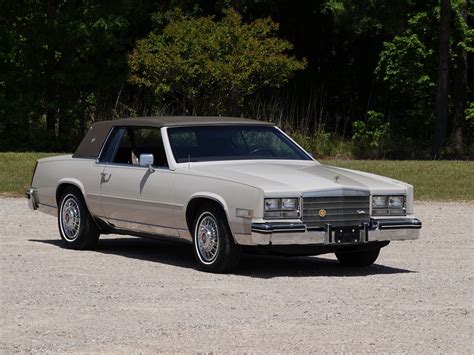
(258, 150)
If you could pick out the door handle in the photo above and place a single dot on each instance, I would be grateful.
(105, 176)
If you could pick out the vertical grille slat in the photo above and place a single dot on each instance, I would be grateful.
(341, 211)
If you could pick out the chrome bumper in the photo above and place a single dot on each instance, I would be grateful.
(32, 198)
(297, 234)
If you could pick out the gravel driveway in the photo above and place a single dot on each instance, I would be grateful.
(145, 296)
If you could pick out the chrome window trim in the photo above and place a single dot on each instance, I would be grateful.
(311, 158)
(106, 140)
(134, 166)
(295, 143)
(99, 162)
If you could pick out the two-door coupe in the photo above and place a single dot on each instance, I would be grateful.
(223, 184)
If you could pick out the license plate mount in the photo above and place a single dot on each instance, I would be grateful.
(343, 235)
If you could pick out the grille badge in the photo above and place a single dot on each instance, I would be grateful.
(322, 213)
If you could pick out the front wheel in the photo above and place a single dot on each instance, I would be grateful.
(358, 258)
(76, 226)
(214, 245)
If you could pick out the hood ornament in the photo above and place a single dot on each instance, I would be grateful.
(336, 179)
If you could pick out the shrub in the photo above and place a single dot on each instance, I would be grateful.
(323, 145)
(370, 136)
(210, 66)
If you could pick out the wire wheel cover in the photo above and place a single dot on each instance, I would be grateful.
(208, 239)
(70, 218)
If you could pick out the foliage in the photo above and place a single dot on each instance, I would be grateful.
(323, 145)
(367, 16)
(405, 65)
(65, 64)
(58, 60)
(212, 65)
(370, 136)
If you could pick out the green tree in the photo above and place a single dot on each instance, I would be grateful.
(210, 66)
(415, 64)
(60, 63)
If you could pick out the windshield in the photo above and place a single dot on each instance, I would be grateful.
(213, 143)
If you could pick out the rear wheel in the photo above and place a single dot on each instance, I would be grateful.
(76, 226)
(358, 258)
(214, 245)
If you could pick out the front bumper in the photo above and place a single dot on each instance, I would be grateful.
(31, 195)
(273, 233)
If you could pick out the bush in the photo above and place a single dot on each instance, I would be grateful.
(370, 136)
(210, 66)
(323, 145)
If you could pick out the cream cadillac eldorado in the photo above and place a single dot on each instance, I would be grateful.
(226, 185)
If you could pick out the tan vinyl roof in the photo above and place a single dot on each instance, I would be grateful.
(92, 143)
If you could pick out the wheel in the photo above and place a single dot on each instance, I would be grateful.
(76, 226)
(214, 245)
(358, 258)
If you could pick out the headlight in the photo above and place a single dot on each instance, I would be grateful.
(289, 204)
(395, 201)
(272, 204)
(379, 201)
(281, 208)
(388, 205)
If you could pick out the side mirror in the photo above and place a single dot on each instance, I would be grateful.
(147, 160)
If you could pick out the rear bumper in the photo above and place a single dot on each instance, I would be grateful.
(268, 233)
(31, 195)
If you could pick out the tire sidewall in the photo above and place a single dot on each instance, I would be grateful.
(60, 218)
(228, 253)
(88, 233)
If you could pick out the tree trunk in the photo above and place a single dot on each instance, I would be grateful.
(443, 81)
(51, 92)
(459, 91)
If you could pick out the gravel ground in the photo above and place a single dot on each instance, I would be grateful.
(136, 295)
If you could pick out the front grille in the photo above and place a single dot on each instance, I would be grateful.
(341, 211)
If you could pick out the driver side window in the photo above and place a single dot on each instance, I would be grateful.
(127, 143)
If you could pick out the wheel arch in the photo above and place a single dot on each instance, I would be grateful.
(65, 183)
(198, 200)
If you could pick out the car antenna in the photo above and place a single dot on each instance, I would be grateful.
(189, 161)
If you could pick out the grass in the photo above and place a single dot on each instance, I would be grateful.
(446, 180)
(433, 180)
(16, 170)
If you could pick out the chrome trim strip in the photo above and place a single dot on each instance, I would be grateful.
(296, 233)
(97, 158)
(30, 194)
(145, 224)
(339, 192)
(278, 227)
(48, 209)
(295, 143)
(405, 223)
(46, 205)
(139, 200)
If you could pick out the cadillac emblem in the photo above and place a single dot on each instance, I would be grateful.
(322, 213)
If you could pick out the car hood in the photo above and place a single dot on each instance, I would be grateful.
(290, 177)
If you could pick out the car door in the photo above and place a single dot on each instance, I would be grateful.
(135, 197)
